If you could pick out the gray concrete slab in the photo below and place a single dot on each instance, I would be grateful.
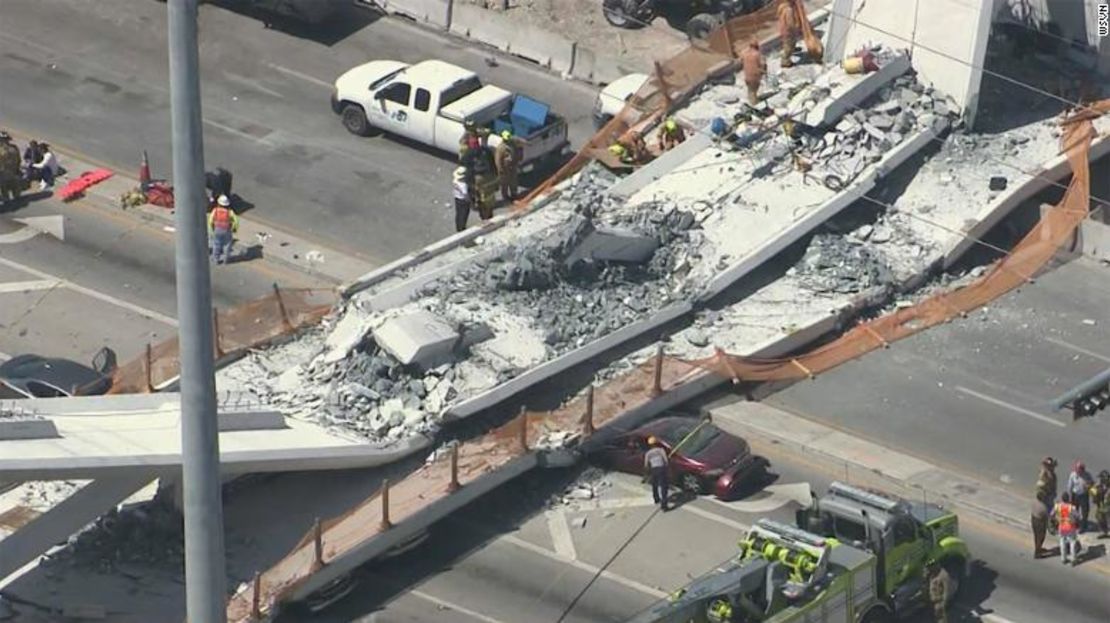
(109, 440)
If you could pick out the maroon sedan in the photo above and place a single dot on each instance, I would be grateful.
(708, 459)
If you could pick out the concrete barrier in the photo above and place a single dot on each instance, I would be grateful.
(434, 12)
(592, 67)
(535, 44)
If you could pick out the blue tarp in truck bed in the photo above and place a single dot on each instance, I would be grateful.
(526, 116)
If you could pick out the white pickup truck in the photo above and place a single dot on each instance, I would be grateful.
(429, 102)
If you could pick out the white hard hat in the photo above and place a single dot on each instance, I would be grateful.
(222, 200)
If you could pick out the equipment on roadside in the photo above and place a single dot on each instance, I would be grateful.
(77, 187)
(782, 575)
(905, 536)
(708, 15)
(857, 556)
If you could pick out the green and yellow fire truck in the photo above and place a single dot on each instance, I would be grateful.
(860, 560)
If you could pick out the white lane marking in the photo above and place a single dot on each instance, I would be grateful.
(20, 235)
(560, 534)
(107, 298)
(994, 618)
(443, 603)
(238, 132)
(27, 286)
(711, 516)
(302, 76)
(700, 512)
(1078, 349)
(578, 564)
(255, 84)
(1006, 405)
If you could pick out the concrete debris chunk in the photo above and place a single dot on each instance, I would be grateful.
(579, 522)
(420, 338)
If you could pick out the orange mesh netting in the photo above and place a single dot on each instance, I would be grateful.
(249, 325)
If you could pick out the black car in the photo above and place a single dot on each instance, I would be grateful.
(34, 376)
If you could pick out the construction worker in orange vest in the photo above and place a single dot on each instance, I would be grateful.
(1066, 519)
(222, 225)
(755, 66)
(789, 28)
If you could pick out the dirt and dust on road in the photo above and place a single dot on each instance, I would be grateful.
(584, 22)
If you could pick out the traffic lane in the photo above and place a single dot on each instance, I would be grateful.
(518, 552)
(1005, 585)
(973, 393)
(266, 114)
(110, 282)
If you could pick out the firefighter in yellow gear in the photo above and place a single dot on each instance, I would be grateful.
(629, 148)
(938, 582)
(670, 134)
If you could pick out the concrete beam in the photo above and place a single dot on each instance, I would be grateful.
(412, 527)
(575, 357)
(664, 164)
(403, 292)
(849, 95)
(436, 249)
(1016, 194)
(66, 518)
(860, 186)
(232, 462)
(12, 429)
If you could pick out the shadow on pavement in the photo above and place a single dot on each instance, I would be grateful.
(323, 22)
(450, 541)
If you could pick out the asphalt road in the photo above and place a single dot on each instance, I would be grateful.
(92, 76)
(108, 282)
(511, 558)
(973, 393)
(522, 555)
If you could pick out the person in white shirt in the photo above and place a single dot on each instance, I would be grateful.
(461, 191)
(46, 168)
(655, 462)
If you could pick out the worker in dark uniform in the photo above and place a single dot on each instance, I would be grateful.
(481, 176)
(1038, 520)
(938, 582)
(507, 157)
(11, 181)
(1100, 500)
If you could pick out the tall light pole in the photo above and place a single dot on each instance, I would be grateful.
(205, 581)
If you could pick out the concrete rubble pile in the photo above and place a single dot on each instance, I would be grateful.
(389, 374)
(149, 534)
(864, 135)
(588, 278)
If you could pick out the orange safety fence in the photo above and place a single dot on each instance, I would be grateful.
(436, 480)
(248, 325)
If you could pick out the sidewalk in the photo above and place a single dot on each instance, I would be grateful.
(915, 477)
(289, 250)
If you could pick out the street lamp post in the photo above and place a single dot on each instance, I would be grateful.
(205, 581)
